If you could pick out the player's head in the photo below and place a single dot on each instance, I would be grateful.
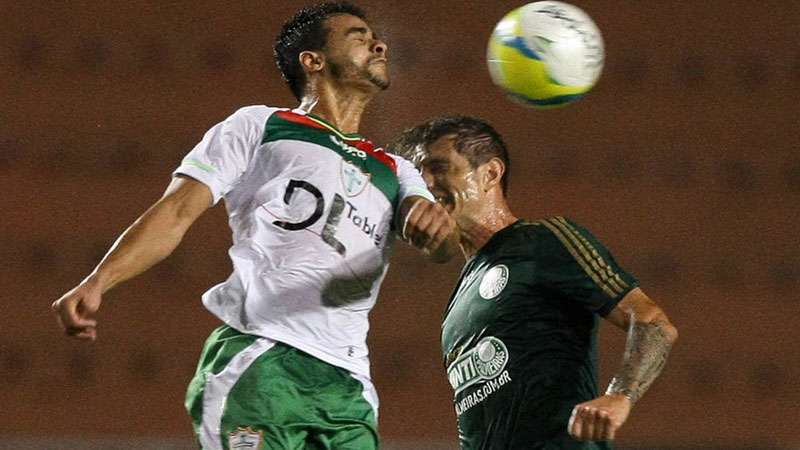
(332, 41)
(461, 158)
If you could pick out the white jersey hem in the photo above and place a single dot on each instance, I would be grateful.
(360, 368)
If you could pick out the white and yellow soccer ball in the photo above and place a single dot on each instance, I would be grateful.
(546, 54)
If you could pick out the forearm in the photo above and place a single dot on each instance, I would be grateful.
(150, 239)
(409, 204)
(646, 350)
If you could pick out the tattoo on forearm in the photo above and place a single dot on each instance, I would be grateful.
(646, 353)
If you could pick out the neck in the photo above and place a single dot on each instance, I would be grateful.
(476, 231)
(341, 108)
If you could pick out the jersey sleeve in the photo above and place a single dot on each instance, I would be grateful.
(225, 152)
(411, 183)
(581, 269)
(410, 180)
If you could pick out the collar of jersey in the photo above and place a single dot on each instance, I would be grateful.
(495, 237)
(329, 127)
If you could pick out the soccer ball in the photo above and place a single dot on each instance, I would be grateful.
(546, 54)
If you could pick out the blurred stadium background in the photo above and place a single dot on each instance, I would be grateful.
(684, 160)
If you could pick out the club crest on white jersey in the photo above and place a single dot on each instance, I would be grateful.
(354, 180)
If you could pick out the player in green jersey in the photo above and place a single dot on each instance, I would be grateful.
(519, 331)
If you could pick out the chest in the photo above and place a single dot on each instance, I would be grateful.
(488, 291)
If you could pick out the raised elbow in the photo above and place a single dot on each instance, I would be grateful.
(670, 332)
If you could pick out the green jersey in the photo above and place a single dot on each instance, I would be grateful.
(520, 330)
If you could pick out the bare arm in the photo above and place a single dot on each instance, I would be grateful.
(427, 226)
(650, 338)
(150, 239)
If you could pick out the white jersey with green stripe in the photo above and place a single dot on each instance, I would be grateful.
(311, 212)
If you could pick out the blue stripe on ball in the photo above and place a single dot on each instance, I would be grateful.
(518, 43)
(552, 101)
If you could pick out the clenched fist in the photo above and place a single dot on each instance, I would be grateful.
(599, 419)
(428, 227)
(75, 310)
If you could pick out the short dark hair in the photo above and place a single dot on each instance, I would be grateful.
(473, 138)
(306, 30)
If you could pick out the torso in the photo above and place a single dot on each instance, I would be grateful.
(311, 217)
(517, 348)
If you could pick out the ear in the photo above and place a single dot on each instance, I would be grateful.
(312, 62)
(493, 171)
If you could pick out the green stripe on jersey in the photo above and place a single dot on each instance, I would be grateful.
(381, 176)
(201, 166)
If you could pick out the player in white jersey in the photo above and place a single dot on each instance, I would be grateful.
(314, 208)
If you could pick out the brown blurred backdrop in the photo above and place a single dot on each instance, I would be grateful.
(684, 160)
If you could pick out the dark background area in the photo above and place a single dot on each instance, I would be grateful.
(683, 160)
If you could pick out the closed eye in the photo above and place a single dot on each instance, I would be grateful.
(435, 167)
(359, 33)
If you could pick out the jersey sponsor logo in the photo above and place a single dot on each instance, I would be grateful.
(482, 393)
(244, 439)
(371, 228)
(349, 149)
(354, 180)
(483, 362)
(493, 282)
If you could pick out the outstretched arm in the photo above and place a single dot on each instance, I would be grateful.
(650, 337)
(150, 239)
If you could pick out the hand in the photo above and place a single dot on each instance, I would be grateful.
(427, 226)
(76, 309)
(599, 419)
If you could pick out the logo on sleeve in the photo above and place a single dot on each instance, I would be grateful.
(493, 282)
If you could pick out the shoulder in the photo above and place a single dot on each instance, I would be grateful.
(555, 237)
(560, 226)
(253, 114)
(249, 122)
(400, 162)
(523, 239)
(564, 239)
(404, 169)
(529, 231)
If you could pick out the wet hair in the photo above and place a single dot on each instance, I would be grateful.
(473, 138)
(306, 30)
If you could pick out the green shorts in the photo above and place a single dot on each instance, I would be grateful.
(254, 393)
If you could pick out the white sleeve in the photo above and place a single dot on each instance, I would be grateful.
(411, 182)
(225, 152)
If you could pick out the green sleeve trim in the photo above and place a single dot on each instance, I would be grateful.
(201, 166)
